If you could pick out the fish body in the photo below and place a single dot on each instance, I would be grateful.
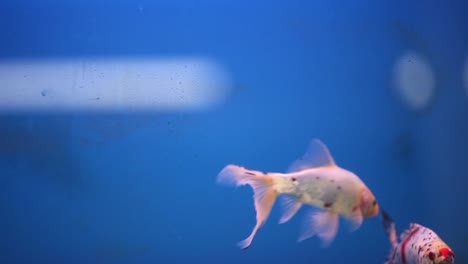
(330, 187)
(313, 180)
(417, 245)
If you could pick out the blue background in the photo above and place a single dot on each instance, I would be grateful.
(141, 187)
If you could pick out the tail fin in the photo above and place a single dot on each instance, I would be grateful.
(389, 228)
(264, 194)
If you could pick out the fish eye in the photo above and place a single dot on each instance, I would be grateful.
(374, 203)
(431, 256)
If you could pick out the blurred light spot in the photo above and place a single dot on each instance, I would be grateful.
(113, 84)
(414, 80)
(140, 7)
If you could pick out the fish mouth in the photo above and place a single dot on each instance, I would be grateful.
(448, 260)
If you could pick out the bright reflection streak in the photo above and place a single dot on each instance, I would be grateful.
(112, 84)
(414, 80)
(465, 76)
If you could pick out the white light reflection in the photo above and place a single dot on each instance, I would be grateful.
(465, 76)
(414, 80)
(112, 84)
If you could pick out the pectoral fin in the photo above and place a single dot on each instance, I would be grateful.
(355, 221)
(324, 224)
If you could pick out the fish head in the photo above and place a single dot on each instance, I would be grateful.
(439, 253)
(368, 204)
(444, 256)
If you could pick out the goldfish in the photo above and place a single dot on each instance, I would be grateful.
(418, 245)
(313, 180)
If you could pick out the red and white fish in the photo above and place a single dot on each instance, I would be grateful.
(418, 245)
(315, 180)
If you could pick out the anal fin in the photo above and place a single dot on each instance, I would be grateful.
(324, 224)
(290, 208)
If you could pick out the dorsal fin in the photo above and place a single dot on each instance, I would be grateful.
(317, 155)
(409, 231)
(390, 229)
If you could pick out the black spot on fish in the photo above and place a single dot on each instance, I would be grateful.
(293, 179)
(332, 180)
(338, 187)
(327, 205)
(250, 173)
(265, 173)
(317, 177)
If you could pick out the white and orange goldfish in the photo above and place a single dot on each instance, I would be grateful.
(418, 245)
(315, 180)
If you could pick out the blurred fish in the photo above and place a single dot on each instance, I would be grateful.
(40, 143)
(315, 180)
(418, 245)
